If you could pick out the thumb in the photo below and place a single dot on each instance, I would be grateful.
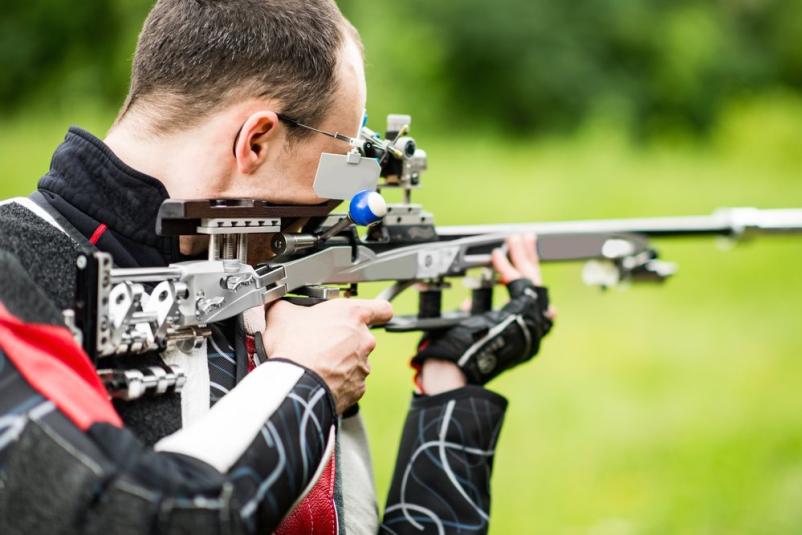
(375, 311)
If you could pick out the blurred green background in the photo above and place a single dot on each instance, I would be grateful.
(674, 409)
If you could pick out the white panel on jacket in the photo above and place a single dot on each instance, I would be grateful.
(355, 466)
(195, 394)
(221, 437)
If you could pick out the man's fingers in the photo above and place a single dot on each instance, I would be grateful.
(374, 311)
(521, 259)
(503, 267)
(530, 241)
(370, 342)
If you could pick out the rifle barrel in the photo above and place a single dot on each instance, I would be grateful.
(733, 222)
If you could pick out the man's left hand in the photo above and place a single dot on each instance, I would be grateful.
(482, 347)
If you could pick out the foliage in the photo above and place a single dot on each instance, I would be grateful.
(514, 65)
(52, 50)
(537, 64)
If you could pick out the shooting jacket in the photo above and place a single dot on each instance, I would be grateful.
(210, 459)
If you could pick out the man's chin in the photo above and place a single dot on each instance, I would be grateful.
(309, 199)
(193, 245)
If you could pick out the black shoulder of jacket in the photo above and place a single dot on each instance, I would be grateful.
(45, 253)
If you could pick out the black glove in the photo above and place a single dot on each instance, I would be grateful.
(484, 346)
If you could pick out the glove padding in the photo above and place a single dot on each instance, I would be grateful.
(485, 346)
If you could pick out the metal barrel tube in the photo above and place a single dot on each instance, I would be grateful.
(724, 222)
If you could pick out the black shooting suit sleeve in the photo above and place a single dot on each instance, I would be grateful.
(441, 482)
(104, 480)
(240, 469)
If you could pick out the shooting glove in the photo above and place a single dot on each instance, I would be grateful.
(485, 346)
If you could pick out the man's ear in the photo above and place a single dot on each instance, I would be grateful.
(251, 146)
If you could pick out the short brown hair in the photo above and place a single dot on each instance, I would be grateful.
(194, 55)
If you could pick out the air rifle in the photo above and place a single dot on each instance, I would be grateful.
(311, 255)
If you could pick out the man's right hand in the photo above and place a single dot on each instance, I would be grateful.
(332, 339)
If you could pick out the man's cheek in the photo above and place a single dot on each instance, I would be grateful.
(310, 171)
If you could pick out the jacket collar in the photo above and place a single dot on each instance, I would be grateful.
(91, 186)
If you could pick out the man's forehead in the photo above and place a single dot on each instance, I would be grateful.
(351, 93)
(352, 65)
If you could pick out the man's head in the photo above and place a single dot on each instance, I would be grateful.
(208, 80)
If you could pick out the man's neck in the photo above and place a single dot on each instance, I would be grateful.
(183, 162)
(173, 160)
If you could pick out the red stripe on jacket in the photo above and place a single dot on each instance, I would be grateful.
(98, 233)
(317, 512)
(50, 360)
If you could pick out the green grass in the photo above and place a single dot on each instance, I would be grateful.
(652, 410)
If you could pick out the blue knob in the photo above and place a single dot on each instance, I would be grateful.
(367, 207)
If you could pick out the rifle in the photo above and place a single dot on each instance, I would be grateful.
(312, 255)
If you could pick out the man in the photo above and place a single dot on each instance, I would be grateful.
(220, 91)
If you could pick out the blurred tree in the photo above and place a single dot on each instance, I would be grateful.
(537, 64)
(521, 65)
(50, 49)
